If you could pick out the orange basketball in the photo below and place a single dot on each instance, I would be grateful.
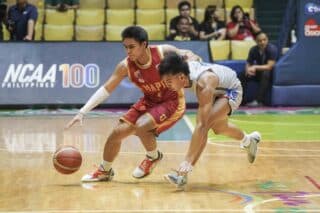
(67, 159)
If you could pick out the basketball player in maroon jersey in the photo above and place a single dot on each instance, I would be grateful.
(158, 110)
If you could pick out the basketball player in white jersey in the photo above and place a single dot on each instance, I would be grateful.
(219, 93)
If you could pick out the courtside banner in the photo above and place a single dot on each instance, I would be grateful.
(66, 73)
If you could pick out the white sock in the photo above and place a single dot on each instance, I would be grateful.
(106, 165)
(245, 141)
(153, 154)
(185, 167)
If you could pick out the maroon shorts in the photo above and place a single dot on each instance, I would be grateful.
(164, 114)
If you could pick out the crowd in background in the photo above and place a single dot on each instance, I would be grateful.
(20, 21)
(184, 27)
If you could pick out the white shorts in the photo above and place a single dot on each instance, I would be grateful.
(234, 96)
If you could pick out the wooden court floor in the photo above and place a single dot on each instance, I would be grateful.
(284, 178)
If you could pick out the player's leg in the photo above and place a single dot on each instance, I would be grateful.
(145, 130)
(221, 126)
(219, 120)
(124, 128)
(158, 119)
(113, 143)
(111, 149)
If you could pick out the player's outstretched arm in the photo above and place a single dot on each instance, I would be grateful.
(101, 94)
(187, 54)
(200, 133)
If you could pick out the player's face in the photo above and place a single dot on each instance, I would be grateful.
(134, 49)
(174, 82)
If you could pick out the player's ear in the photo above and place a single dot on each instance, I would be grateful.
(144, 44)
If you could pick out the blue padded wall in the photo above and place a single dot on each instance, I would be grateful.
(297, 74)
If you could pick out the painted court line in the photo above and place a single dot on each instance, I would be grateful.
(313, 182)
(189, 123)
(267, 148)
(139, 210)
(229, 154)
(191, 128)
(272, 123)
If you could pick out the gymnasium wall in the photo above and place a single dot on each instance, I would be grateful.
(59, 73)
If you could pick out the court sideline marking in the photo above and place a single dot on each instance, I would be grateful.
(191, 128)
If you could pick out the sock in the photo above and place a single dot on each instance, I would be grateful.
(185, 167)
(245, 141)
(153, 154)
(106, 165)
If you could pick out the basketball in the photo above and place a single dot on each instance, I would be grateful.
(67, 159)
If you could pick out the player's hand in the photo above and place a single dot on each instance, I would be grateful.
(75, 119)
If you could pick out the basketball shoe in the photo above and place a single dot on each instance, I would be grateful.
(146, 166)
(252, 148)
(180, 181)
(99, 175)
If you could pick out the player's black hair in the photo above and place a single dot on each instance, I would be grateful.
(173, 64)
(137, 33)
(184, 3)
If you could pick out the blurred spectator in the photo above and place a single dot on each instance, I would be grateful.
(212, 27)
(3, 10)
(184, 10)
(260, 63)
(241, 26)
(183, 31)
(62, 5)
(21, 20)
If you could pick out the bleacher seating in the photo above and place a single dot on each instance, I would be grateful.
(58, 32)
(174, 3)
(121, 4)
(240, 49)
(115, 14)
(89, 33)
(120, 16)
(156, 32)
(242, 3)
(205, 3)
(220, 50)
(113, 32)
(147, 4)
(92, 4)
(90, 17)
(39, 32)
(150, 16)
(58, 18)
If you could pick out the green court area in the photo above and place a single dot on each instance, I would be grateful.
(275, 127)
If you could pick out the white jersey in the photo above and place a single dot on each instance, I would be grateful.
(229, 85)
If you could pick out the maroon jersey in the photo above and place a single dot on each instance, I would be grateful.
(147, 78)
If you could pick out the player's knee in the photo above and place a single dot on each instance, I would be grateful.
(218, 130)
(117, 134)
(144, 124)
(115, 137)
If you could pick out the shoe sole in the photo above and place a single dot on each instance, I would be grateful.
(166, 177)
(257, 140)
(155, 164)
(100, 180)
